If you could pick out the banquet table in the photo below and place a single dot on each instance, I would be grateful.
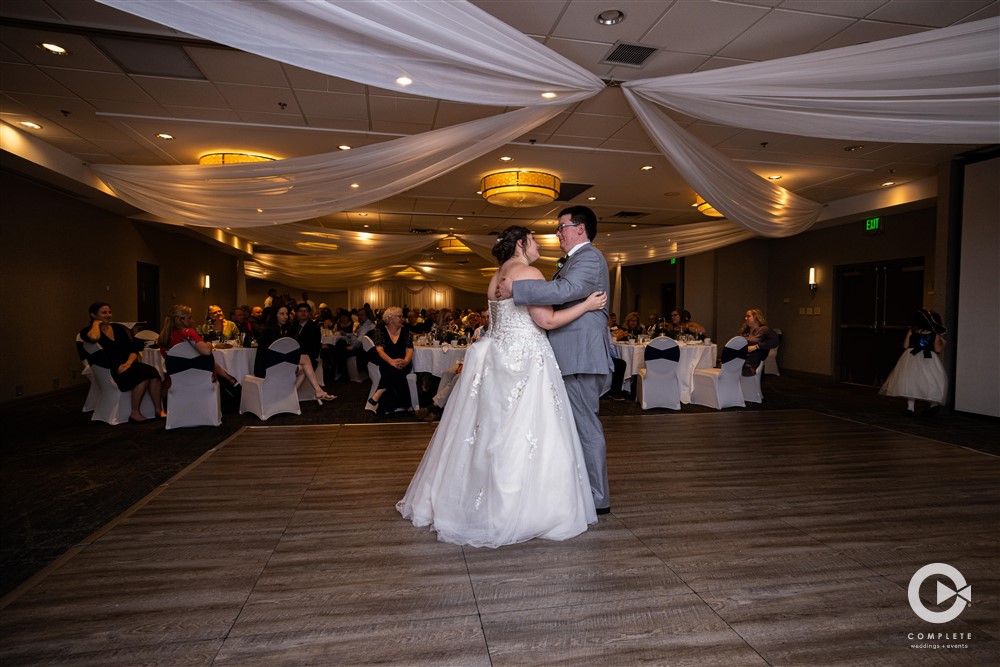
(237, 361)
(692, 356)
(435, 359)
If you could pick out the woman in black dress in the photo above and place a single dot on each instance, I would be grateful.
(127, 371)
(394, 350)
(275, 326)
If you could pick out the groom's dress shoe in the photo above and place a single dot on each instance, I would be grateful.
(603, 510)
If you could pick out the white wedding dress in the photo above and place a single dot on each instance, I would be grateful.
(505, 463)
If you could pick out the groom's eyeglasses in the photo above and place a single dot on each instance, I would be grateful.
(559, 228)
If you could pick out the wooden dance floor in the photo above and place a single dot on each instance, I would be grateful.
(736, 538)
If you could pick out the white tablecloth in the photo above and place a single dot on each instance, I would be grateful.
(691, 357)
(436, 360)
(237, 361)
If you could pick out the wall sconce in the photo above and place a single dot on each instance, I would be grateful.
(207, 285)
(812, 280)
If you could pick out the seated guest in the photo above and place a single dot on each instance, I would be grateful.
(365, 324)
(177, 328)
(394, 348)
(277, 326)
(613, 321)
(471, 323)
(127, 371)
(631, 327)
(256, 318)
(680, 323)
(415, 325)
(346, 345)
(307, 333)
(652, 321)
(483, 328)
(761, 339)
(241, 318)
(217, 327)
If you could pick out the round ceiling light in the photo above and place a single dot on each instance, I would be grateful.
(610, 17)
(520, 189)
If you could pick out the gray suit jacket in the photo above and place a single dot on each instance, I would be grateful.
(582, 346)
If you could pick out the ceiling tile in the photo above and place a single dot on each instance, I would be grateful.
(230, 66)
(853, 8)
(103, 85)
(702, 27)
(528, 16)
(781, 34)
(581, 22)
(15, 78)
(867, 31)
(931, 14)
(259, 98)
(414, 111)
(181, 92)
(333, 105)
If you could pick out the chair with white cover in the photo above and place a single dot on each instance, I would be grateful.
(306, 391)
(194, 398)
(771, 360)
(376, 375)
(276, 392)
(657, 384)
(751, 386)
(720, 387)
(113, 406)
(94, 393)
(147, 335)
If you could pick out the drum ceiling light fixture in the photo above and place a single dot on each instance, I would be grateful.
(705, 208)
(449, 245)
(520, 189)
(232, 158)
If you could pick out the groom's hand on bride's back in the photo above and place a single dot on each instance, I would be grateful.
(504, 289)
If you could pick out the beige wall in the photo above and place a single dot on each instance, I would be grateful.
(699, 290)
(808, 341)
(641, 285)
(59, 255)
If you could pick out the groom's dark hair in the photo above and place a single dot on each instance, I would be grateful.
(506, 243)
(582, 215)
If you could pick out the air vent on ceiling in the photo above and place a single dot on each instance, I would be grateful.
(628, 215)
(628, 55)
(569, 190)
(149, 58)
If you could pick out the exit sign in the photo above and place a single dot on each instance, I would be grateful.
(673, 260)
(873, 225)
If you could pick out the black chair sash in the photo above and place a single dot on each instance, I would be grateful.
(670, 354)
(203, 362)
(273, 357)
(99, 358)
(728, 353)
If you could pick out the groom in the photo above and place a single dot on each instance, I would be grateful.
(581, 347)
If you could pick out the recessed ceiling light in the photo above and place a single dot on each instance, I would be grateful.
(54, 49)
(404, 81)
(610, 17)
(647, 167)
(366, 226)
(260, 210)
(344, 147)
(774, 178)
(355, 185)
(165, 136)
(635, 225)
(591, 198)
(851, 149)
(363, 214)
(31, 126)
(549, 95)
(505, 158)
(888, 183)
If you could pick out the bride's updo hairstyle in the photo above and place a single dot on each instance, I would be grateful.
(506, 243)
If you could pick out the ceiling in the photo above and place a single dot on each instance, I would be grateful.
(126, 80)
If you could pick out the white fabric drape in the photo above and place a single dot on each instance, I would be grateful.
(397, 293)
(744, 197)
(296, 189)
(938, 86)
(450, 50)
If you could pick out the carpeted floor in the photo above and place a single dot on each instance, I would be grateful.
(64, 476)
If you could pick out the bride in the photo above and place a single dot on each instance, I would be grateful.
(505, 463)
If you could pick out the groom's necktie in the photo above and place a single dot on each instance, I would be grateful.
(561, 262)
